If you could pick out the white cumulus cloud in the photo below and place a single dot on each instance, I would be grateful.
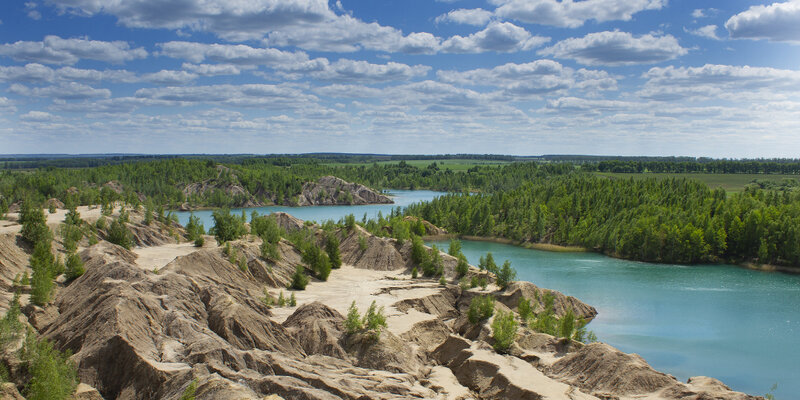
(473, 16)
(617, 48)
(572, 14)
(777, 22)
(498, 37)
(56, 50)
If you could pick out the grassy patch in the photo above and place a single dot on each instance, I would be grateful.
(733, 183)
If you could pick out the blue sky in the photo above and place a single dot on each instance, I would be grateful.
(615, 77)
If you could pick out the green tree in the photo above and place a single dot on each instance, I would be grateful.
(299, 279)
(462, 267)
(480, 308)
(119, 234)
(455, 248)
(353, 323)
(506, 275)
(227, 226)
(74, 266)
(524, 309)
(332, 248)
(53, 375)
(504, 331)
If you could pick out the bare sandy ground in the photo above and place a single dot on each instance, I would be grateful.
(349, 284)
(157, 257)
(89, 214)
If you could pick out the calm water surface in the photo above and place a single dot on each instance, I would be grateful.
(737, 325)
(734, 324)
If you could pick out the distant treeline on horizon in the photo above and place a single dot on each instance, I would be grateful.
(622, 164)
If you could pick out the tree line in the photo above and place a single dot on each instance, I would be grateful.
(668, 220)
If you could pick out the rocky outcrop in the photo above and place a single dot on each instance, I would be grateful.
(330, 190)
(287, 222)
(561, 303)
(361, 249)
(318, 328)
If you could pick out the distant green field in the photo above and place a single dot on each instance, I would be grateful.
(729, 182)
(453, 164)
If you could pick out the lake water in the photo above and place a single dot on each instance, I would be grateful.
(401, 198)
(730, 323)
(733, 324)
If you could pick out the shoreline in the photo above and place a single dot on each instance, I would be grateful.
(556, 248)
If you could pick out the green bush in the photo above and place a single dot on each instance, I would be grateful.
(350, 222)
(119, 234)
(414, 273)
(332, 248)
(463, 266)
(480, 308)
(299, 279)
(189, 392)
(269, 251)
(524, 309)
(353, 323)
(504, 331)
(199, 241)
(317, 260)
(74, 266)
(194, 229)
(506, 275)
(266, 228)
(292, 300)
(101, 223)
(53, 375)
(34, 224)
(455, 248)
(10, 327)
(227, 226)
(362, 243)
(487, 263)
(281, 300)
(419, 254)
(374, 319)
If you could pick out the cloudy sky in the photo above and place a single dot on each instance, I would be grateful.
(620, 77)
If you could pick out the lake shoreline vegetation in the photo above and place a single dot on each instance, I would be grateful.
(552, 205)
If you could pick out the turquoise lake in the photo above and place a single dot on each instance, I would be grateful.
(730, 323)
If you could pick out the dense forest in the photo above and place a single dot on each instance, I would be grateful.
(661, 220)
(278, 180)
(669, 220)
(709, 167)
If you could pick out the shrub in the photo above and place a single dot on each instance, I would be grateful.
(487, 263)
(353, 323)
(189, 392)
(292, 300)
(442, 281)
(74, 266)
(53, 375)
(194, 229)
(34, 224)
(317, 260)
(281, 300)
(227, 226)
(480, 308)
(506, 275)
(567, 325)
(10, 327)
(350, 222)
(299, 279)
(546, 322)
(419, 254)
(462, 267)
(414, 273)
(101, 223)
(266, 228)
(119, 234)
(362, 242)
(504, 331)
(199, 241)
(524, 309)
(374, 319)
(269, 251)
(332, 248)
(455, 248)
